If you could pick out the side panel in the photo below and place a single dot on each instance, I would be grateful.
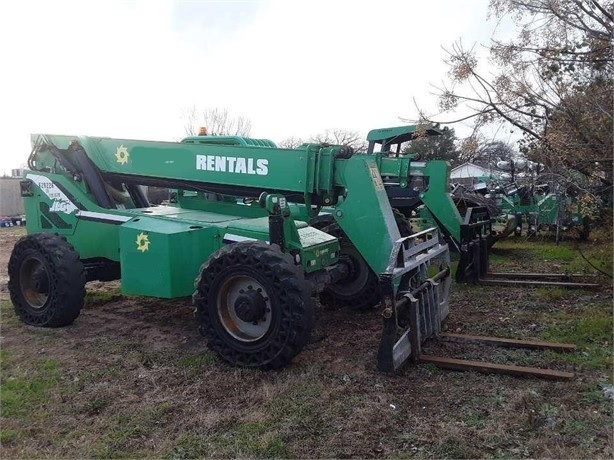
(50, 207)
(365, 214)
(438, 200)
(58, 205)
(161, 258)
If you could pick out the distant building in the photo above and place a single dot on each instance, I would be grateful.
(468, 174)
(11, 203)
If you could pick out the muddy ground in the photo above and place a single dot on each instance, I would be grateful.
(133, 378)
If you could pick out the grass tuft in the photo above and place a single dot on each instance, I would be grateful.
(24, 388)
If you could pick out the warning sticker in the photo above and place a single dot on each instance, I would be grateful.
(377, 179)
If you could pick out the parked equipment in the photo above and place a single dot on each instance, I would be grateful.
(230, 228)
(235, 237)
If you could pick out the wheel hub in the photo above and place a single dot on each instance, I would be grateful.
(40, 281)
(34, 282)
(250, 306)
(244, 308)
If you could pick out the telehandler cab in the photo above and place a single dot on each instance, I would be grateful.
(236, 236)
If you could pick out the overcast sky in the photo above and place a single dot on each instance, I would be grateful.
(130, 69)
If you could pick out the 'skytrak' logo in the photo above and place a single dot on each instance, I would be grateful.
(122, 155)
(142, 242)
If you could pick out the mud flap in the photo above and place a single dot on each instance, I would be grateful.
(414, 315)
(476, 235)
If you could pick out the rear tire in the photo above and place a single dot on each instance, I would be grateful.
(46, 280)
(253, 305)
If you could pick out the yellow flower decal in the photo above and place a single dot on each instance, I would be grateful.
(122, 155)
(142, 242)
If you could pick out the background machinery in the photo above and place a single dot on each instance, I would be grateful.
(423, 197)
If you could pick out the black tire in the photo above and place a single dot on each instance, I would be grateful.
(46, 280)
(253, 305)
(360, 291)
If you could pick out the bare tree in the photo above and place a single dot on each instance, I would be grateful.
(553, 82)
(329, 136)
(291, 143)
(341, 137)
(217, 121)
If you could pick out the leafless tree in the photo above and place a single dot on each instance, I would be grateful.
(291, 143)
(217, 121)
(342, 137)
(332, 137)
(553, 82)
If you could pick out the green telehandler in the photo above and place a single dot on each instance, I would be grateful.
(236, 236)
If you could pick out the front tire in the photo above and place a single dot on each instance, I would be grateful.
(46, 280)
(253, 305)
(360, 291)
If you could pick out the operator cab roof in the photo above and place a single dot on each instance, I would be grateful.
(395, 137)
(398, 134)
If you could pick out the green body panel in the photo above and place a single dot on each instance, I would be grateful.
(319, 253)
(437, 199)
(438, 208)
(404, 173)
(197, 201)
(398, 168)
(365, 214)
(51, 209)
(161, 257)
(179, 239)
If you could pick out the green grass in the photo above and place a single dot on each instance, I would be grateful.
(455, 448)
(512, 252)
(26, 387)
(304, 410)
(128, 428)
(295, 412)
(96, 406)
(254, 439)
(7, 314)
(190, 445)
(476, 419)
(7, 436)
(198, 360)
(551, 294)
(299, 408)
(100, 297)
(591, 332)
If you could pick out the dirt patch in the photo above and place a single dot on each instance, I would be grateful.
(132, 377)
